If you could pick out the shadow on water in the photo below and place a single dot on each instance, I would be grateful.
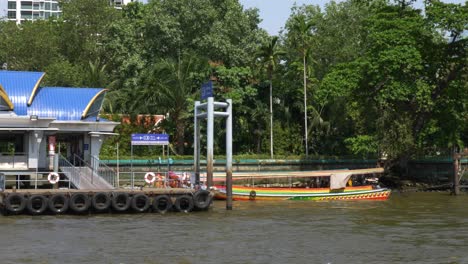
(408, 228)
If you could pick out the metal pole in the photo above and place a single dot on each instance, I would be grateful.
(92, 168)
(456, 179)
(131, 165)
(118, 168)
(271, 119)
(37, 164)
(210, 143)
(305, 110)
(196, 145)
(229, 155)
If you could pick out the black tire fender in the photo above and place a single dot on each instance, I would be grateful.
(101, 201)
(37, 204)
(162, 203)
(140, 202)
(184, 203)
(202, 199)
(58, 203)
(15, 203)
(121, 201)
(79, 202)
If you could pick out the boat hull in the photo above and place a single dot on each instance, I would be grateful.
(241, 193)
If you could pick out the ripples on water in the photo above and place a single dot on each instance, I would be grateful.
(408, 228)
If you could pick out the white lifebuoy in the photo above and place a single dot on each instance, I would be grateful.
(53, 177)
(150, 177)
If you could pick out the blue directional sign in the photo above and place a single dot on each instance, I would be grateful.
(207, 90)
(150, 139)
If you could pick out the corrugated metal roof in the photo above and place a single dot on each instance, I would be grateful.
(20, 86)
(62, 103)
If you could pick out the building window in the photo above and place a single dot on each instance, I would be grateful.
(11, 14)
(26, 5)
(26, 14)
(47, 6)
(54, 6)
(11, 144)
(11, 5)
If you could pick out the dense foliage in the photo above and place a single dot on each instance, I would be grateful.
(365, 78)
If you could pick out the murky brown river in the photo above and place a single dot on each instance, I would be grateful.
(408, 228)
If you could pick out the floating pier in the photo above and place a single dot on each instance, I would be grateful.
(70, 201)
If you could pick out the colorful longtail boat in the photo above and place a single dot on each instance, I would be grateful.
(337, 189)
(241, 193)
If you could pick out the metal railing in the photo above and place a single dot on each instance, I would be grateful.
(34, 181)
(104, 171)
(131, 180)
(72, 172)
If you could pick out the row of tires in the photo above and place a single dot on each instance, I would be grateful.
(59, 203)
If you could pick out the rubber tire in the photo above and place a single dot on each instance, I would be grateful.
(252, 195)
(184, 203)
(157, 201)
(10, 207)
(134, 204)
(202, 199)
(54, 198)
(120, 207)
(44, 204)
(75, 207)
(101, 206)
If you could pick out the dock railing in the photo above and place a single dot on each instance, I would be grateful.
(72, 172)
(129, 180)
(104, 171)
(35, 181)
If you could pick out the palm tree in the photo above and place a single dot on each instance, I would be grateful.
(301, 29)
(269, 56)
(173, 87)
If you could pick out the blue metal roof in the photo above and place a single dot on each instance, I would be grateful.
(64, 103)
(20, 86)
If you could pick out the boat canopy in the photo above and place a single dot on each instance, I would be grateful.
(339, 180)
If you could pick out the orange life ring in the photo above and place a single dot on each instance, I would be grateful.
(53, 177)
(150, 177)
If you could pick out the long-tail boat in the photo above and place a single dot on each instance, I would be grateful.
(337, 181)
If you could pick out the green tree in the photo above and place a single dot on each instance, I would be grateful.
(300, 33)
(170, 90)
(406, 82)
(269, 56)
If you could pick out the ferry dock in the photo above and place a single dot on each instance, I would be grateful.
(74, 201)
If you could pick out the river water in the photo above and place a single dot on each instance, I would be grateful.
(408, 228)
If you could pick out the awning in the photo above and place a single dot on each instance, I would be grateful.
(339, 180)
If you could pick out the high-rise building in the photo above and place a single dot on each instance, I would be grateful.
(119, 3)
(20, 10)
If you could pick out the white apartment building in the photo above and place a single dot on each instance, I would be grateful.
(20, 10)
(119, 3)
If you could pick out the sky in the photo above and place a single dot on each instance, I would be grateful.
(274, 13)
